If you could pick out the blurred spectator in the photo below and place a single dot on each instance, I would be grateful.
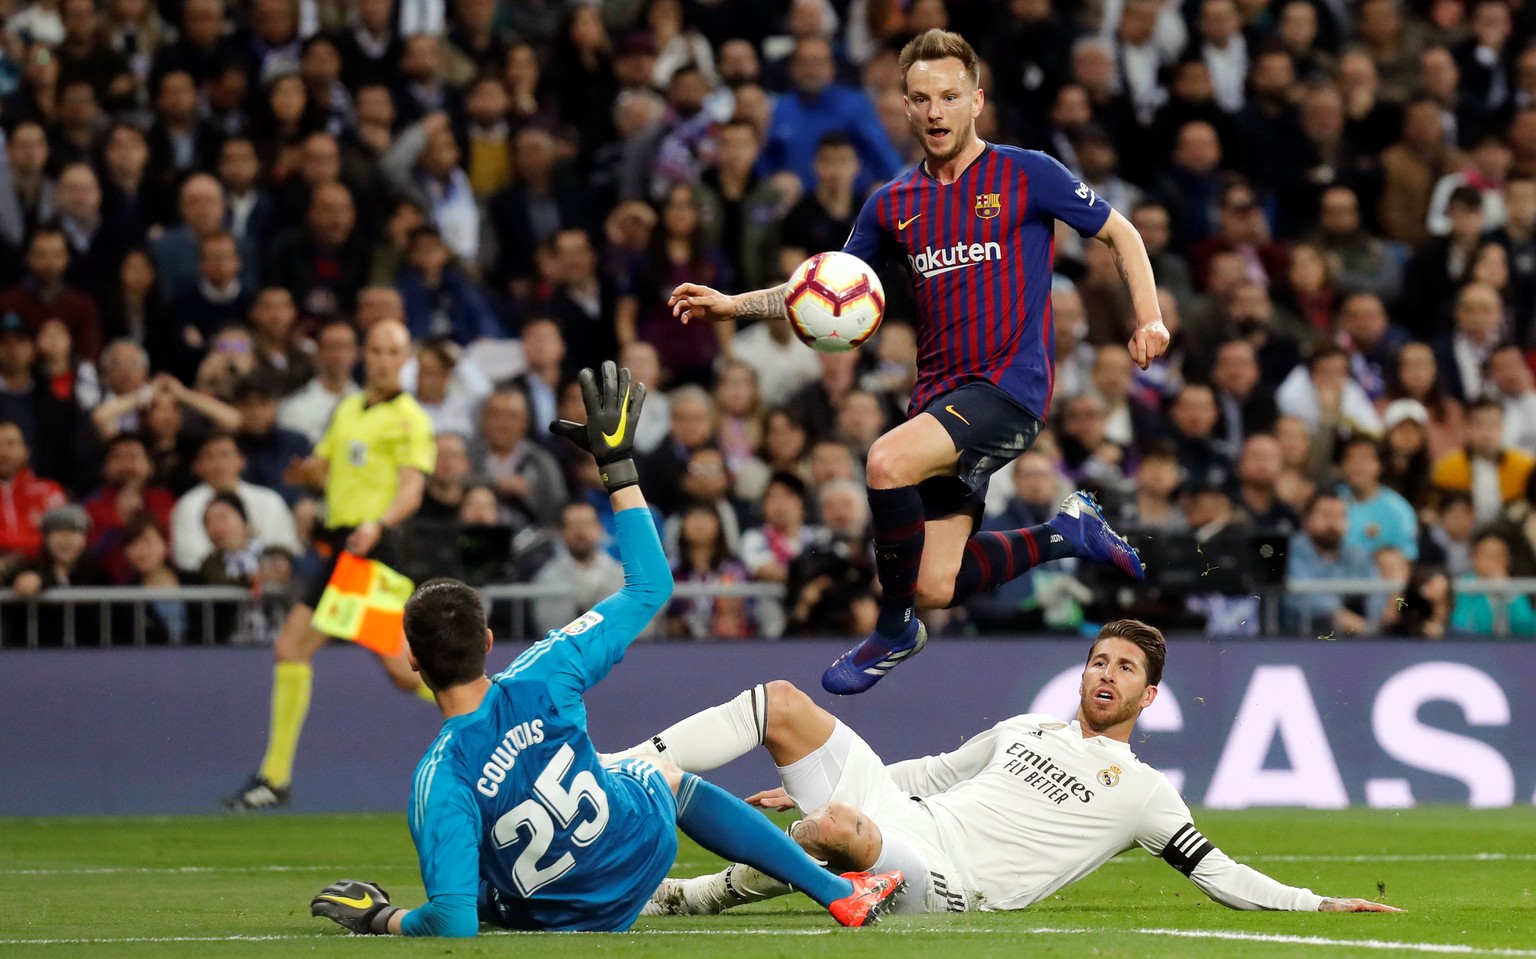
(1518, 238)
(832, 582)
(269, 449)
(47, 423)
(740, 428)
(252, 210)
(1318, 553)
(1307, 289)
(1365, 264)
(1411, 167)
(1379, 517)
(678, 254)
(235, 558)
(96, 246)
(1152, 504)
(784, 366)
(1037, 493)
(146, 552)
(785, 443)
(1462, 354)
(67, 376)
(424, 166)
(860, 420)
(542, 200)
(445, 489)
(1192, 419)
(708, 481)
(1405, 456)
(1370, 340)
(127, 492)
(1440, 264)
(369, 46)
(1258, 472)
(823, 218)
(1089, 457)
(62, 563)
(218, 300)
(1487, 614)
(1242, 229)
(1493, 474)
(584, 302)
(133, 308)
(694, 423)
(639, 357)
(1243, 406)
(816, 107)
(1424, 611)
(524, 475)
(1416, 377)
(1509, 380)
(24, 499)
(44, 293)
(1322, 395)
(544, 352)
(741, 211)
(440, 300)
(219, 464)
(324, 263)
(581, 573)
(177, 251)
(704, 557)
(448, 387)
(27, 188)
(278, 354)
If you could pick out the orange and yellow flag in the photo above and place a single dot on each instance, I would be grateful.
(364, 602)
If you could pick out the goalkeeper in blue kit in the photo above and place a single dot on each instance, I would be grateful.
(517, 821)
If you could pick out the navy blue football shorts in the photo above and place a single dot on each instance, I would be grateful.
(990, 429)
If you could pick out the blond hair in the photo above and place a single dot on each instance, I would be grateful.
(939, 44)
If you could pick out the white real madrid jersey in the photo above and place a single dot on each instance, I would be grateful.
(1030, 806)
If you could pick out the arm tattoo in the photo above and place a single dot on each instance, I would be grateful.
(1119, 262)
(769, 303)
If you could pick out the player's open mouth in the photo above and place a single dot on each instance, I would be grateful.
(937, 134)
(1104, 696)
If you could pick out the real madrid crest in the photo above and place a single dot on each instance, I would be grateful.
(1108, 776)
(989, 205)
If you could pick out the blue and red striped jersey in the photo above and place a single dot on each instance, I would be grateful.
(980, 253)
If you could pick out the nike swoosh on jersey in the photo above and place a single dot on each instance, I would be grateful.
(612, 439)
(903, 224)
(958, 416)
(364, 903)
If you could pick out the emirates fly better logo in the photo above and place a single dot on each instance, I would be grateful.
(931, 262)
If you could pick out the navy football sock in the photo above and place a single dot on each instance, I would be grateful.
(994, 558)
(897, 515)
(736, 832)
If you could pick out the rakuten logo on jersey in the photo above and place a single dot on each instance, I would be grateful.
(932, 262)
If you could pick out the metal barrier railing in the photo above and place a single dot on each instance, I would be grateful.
(123, 614)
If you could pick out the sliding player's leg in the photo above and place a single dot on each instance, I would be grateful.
(733, 830)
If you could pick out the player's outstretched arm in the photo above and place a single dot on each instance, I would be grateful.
(1151, 336)
(1355, 905)
(691, 301)
(613, 403)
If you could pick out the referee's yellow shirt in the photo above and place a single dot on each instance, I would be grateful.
(366, 445)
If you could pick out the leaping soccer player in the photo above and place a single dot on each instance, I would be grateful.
(975, 223)
(516, 821)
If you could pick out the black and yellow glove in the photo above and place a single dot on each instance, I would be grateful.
(613, 415)
(361, 907)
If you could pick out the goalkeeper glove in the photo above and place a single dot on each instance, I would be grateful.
(361, 907)
(613, 415)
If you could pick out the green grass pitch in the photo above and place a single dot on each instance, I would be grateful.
(237, 887)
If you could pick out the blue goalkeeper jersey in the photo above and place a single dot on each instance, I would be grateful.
(514, 818)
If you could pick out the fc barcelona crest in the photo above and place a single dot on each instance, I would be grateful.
(989, 205)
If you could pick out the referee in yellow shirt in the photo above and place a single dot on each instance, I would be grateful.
(373, 461)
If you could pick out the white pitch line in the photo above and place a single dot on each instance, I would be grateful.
(174, 870)
(1227, 936)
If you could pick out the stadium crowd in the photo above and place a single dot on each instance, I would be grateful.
(203, 206)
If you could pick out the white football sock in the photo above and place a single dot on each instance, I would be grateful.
(710, 738)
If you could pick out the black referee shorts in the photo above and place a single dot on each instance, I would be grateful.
(330, 543)
(990, 429)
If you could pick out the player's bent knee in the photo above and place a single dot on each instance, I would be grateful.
(670, 772)
(888, 467)
(935, 593)
(787, 706)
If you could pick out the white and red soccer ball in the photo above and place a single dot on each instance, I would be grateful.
(834, 301)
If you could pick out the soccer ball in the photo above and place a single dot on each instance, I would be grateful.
(834, 302)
